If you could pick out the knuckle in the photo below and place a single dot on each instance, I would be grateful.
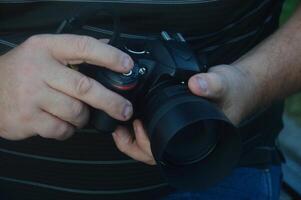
(35, 43)
(83, 85)
(84, 119)
(217, 85)
(53, 129)
(25, 115)
(222, 86)
(66, 134)
(116, 57)
(27, 92)
(60, 130)
(34, 40)
(77, 109)
(5, 134)
(83, 44)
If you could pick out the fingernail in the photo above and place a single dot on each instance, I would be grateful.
(127, 111)
(127, 62)
(203, 84)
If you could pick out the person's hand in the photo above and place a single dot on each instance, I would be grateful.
(230, 88)
(137, 147)
(39, 95)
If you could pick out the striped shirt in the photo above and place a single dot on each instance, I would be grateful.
(88, 165)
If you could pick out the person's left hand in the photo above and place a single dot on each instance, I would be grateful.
(138, 147)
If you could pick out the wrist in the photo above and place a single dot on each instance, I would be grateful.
(251, 88)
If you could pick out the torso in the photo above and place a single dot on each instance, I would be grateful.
(89, 162)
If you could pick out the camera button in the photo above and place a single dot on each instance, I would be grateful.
(129, 73)
(136, 52)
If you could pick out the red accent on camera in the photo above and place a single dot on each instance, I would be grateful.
(125, 87)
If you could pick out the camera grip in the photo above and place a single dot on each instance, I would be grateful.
(103, 122)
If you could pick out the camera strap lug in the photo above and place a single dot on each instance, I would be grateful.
(176, 36)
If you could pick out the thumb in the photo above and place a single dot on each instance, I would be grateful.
(209, 85)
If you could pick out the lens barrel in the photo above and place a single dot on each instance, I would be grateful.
(191, 139)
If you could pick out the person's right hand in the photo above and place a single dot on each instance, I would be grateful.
(39, 95)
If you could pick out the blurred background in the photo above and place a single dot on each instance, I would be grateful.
(289, 140)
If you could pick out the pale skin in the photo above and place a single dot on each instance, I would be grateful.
(39, 95)
(271, 71)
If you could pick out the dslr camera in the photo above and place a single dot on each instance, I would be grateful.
(192, 141)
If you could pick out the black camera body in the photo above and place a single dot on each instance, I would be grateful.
(157, 62)
(192, 141)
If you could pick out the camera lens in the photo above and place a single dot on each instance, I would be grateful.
(192, 143)
(191, 139)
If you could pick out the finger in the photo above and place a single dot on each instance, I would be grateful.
(49, 126)
(76, 49)
(64, 107)
(129, 147)
(142, 138)
(89, 91)
(209, 85)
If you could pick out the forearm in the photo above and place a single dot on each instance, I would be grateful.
(274, 66)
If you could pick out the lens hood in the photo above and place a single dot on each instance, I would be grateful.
(193, 142)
